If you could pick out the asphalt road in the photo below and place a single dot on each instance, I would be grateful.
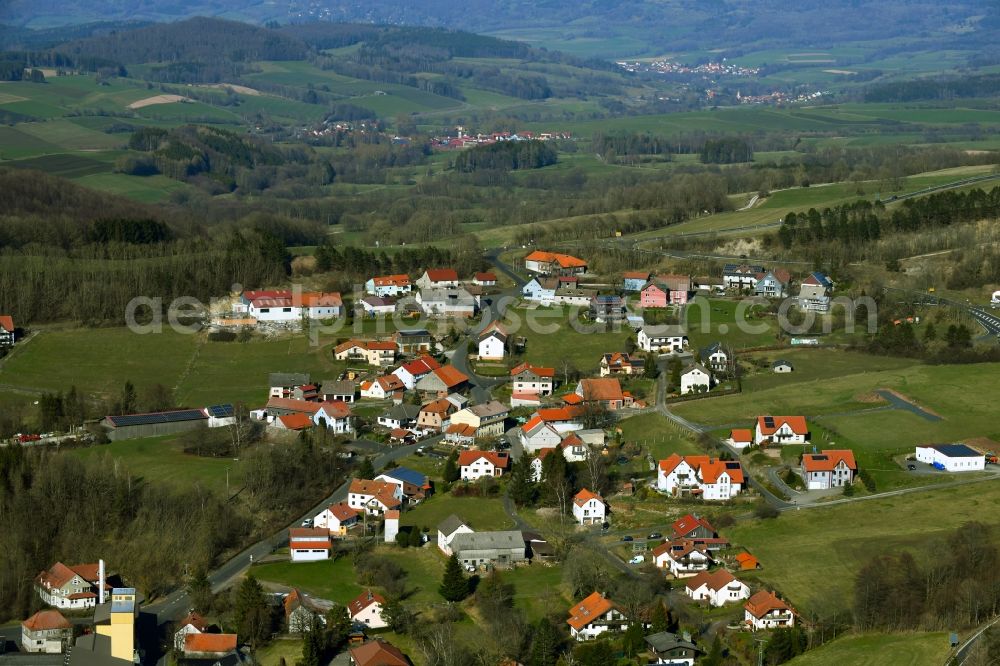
(176, 605)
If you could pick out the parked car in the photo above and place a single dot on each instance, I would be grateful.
(638, 559)
(655, 535)
(911, 467)
(308, 522)
(627, 537)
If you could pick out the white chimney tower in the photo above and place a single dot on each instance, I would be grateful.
(100, 582)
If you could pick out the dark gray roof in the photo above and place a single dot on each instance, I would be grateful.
(94, 650)
(781, 361)
(450, 524)
(664, 641)
(402, 412)
(173, 416)
(337, 387)
(287, 379)
(487, 541)
(711, 349)
(957, 450)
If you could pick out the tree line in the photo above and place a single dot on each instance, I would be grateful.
(506, 156)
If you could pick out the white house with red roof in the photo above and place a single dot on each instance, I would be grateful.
(438, 277)
(589, 508)
(193, 623)
(554, 263)
(492, 342)
(594, 616)
(780, 430)
(388, 285)
(367, 608)
(682, 557)
(382, 387)
(740, 438)
(6, 331)
(337, 519)
(485, 279)
(477, 464)
(309, 544)
(830, 468)
(374, 497)
(373, 352)
(704, 476)
(73, 587)
(413, 371)
(537, 434)
(764, 610)
(289, 305)
(46, 632)
(335, 416)
(718, 588)
(532, 379)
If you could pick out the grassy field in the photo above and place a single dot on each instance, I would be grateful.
(327, 579)
(814, 364)
(477, 512)
(161, 459)
(550, 341)
(929, 649)
(658, 435)
(283, 650)
(812, 556)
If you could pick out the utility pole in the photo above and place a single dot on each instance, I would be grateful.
(760, 650)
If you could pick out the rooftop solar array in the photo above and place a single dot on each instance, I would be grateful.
(157, 417)
(768, 421)
(220, 411)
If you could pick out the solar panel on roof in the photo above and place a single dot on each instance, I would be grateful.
(157, 417)
(220, 411)
(768, 421)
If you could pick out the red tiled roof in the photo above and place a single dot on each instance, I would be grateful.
(564, 260)
(538, 370)
(341, 511)
(378, 653)
(293, 405)
(827, 460)
(486, 277)
(421, 366)
(763, 603)
(310, 545)
(442, 274)
(678, 548)
(441, 406)
(460, 429)
(296, 421)
(567, 413)
(747, 561)
(399, 280)
(572, 399)
(571, 439)
(46, 620)
(588, 610)
(337, 409)
(690, 522)
(796, 423)
(307, 533)
(59, 574)
(715, 580)
(499, 459)
(585, 496)
(741, 435)
(544, 451)
(390, 383)
(363, 601)
(709, 468)
(604, 388)
(451, 376)
(195, 620)
(636, 275)
(7, 323)
(199, 643)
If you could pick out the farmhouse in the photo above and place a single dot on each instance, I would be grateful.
(830, 468)
(740, 276)
(715, 357)
(663, 338)
(366, 609)
(448, 529)
(780, 430)
(337, 519)
(382, 387)
(440, 382)
(71, 587)
(668, 648)
(47, 631)
(342, 390)
(486, 420)
(718, 588)
(595, 615)
(553, 263)
(477, 464)
(309, 544)
(412, 372)
(493, 342)
(503, 549)
(541, 290)
(287, 306)
(709, 478)
(438, 278)
(6, 331)
(372, 352)
(374, 497)
(664, 290)
(532, 379)
(814, 293)
(377, 653)
(433, 415)
(696, 378)
(773, 284)
(589, 508)
(399, 416)
(619, 363)
(606, 391)
(683, 557)
(413, 341)
(284, 384)
(952, 457)
(447, 301)
(388, 285)
(764, 610)
(536, 435)
(564, 419)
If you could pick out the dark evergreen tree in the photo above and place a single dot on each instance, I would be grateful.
(199, 589)
(252, 614)
(451, 470)
(454, 584)
(366, 470)
(545, 644)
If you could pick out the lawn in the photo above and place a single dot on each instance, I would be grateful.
(812, 556)
(537, 589)
(162, 460)
(287, 650)
(328, 579)
(552, 341)
(478, 513)
(729, 322)
(658, 435)
(815, 364)
(929, 649)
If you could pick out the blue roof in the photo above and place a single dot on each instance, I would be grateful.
(822, 279)
(220, 411)
(408, 475)
(957, 450)
(157, 417)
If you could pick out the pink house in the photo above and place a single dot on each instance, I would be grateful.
(664, 290)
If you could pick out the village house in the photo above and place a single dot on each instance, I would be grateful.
(484, 279)
(608, 308)
(764, 610)
(830, 468)
(294, 422)
(594, 616)
(309, 544)
(6, 331)
(674, 650)
(416, 486)
(287, 306)
(376, 306)
(682, 557)
(366, 609)
(780, 430)
(589, 508)
(448, 529)
(475, 465)
(413, 371)
(433, 415)
(634, 280)
(696, 378)
(541, 290)
(715, 357)
(486, 420)
(377, 653)
(664, 338)
(447, 301)
(71, 587)
(493, 343)
(388, 285)
(718, 588)
(952, 457)
(553, 263)
(815, 292)
(692, 526)
(740, 438)
(374, 497)
(538, 462)
(440, 382)
(741, 276)
(620, 363)
(336, 519)
(438, 278)
(606, 391)
(372, 352)
(567, 418)
(214, 647)
(664, 290)
(704, 476)
(193, 623)
(536, 435)
(284, 384)
(481, 549)
(573, 448)
(382, 387)
(712, 286)
(459, 434)
(46, 632)
(574, 296)
(772, 284)
(399, 416)
(335, 416)
(334, 390)
(309, 392)
(300, 611)
(527, 379)
(413, 341)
